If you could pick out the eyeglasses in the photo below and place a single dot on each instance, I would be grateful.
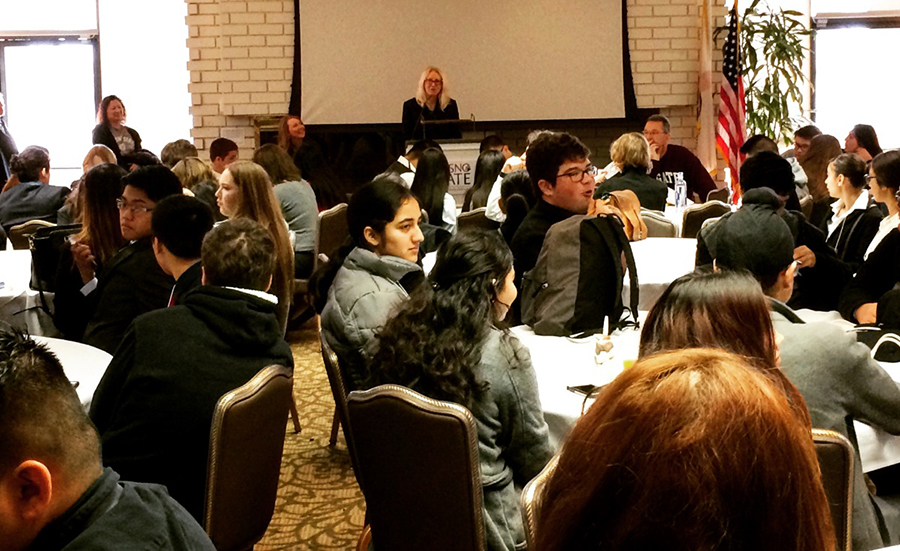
(578, 175)
(434, 81)
(870, 178)
(123, 206)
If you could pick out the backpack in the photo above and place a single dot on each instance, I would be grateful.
(577, 280)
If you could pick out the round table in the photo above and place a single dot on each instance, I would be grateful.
(82, 363)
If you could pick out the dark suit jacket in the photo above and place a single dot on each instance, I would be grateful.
(413, 127)
(131, 284)
(31, 201)
(7, 150)
(103, 135)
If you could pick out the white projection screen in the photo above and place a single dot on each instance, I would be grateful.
(506, 60)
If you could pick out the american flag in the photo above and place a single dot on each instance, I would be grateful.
(731, 128)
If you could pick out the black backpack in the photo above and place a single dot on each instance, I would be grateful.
(577, 280)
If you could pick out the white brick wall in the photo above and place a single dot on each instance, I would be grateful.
(241, 61)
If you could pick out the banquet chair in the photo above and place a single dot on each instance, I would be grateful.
(835, 455)
(245, 449)
(18, 235)
(332, 231)
(720, 194)
(694, 216)
(475, 219)
(658, 225)
(418, 459)
(531, 500)
(806, 206)
(708, 222)
(337, 380)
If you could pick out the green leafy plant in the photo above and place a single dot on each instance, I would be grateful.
(772, 54)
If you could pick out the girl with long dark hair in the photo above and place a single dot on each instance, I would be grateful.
(854, 218)
(366, 284)
(445, 343)
(431, 186)
(487, 168)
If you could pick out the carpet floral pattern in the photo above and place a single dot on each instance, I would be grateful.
(319, 505)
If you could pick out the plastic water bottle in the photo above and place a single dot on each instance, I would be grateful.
(680, 191)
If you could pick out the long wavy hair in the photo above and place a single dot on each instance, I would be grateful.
(687, 451)
(443, 97)
(258, 202)
(431, 183)
(719, 309)
(822, 150)
(487, 168)
(285, 140)
(102, 116)
(433, 343)
(97, 196)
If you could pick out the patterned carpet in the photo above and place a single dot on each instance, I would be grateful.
(319, 505)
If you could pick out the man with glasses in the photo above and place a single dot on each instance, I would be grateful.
(132, 283)
(670, 160)
(563, 179)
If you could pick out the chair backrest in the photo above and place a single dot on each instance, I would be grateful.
(806, 206)
(694, 216)
(332, 231)
(475, 219)
(419, 460)
(720, 194)
(246, 443)
(532, 499)
(709, 222)
(835, 455)
(658, 225)
(337, 378)
(18, 235)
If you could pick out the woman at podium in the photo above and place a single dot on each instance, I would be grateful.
(432, 103)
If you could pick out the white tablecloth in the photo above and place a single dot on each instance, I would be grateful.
(659, 262)
(82, 363)
(18, 303)
(560, 362)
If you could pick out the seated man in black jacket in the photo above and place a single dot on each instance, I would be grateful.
(821, 274)
(54, 493)
(132, 282)
(179, 225)
(155, 403)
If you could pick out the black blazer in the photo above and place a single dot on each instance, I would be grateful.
(130, 284)
(103, 135)
(413, 128)
(650, 191)
(852, 237)
(31, 201)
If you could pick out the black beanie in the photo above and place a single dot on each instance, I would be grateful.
(756, 238)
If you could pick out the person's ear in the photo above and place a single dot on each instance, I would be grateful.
(269, 286)
(785, 281)
(715, 267)
(157, 247)
(371, 236)
(33, 486)
(546, 187)
(203, 276)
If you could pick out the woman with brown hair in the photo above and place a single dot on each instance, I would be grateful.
(90, 249)
(291, 132)
(822, 149)
(719, 309)
(688, 450)
(245, 191)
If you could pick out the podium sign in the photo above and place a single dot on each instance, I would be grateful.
(462, 158)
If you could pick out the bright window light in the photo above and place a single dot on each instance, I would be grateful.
(857, 89)
(50, 102)
(48, 15)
